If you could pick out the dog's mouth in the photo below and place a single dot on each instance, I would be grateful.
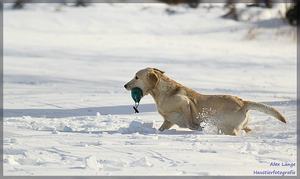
(129, 87)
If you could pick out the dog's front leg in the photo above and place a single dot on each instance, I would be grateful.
(189, 117)
(165, 125)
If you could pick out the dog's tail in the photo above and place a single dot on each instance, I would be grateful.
(249, 105)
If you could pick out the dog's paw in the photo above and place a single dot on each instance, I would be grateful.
(196, 127)
(200, 128)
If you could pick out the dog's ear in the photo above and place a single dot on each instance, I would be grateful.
(158, 70)
(153, 79)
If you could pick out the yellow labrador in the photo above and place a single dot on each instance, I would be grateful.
(186, 108)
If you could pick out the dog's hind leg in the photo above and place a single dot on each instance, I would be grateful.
(229, 131)
(245, 125)
(247, 129)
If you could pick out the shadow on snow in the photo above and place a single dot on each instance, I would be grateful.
(92, 111)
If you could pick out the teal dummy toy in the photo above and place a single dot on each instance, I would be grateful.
(136, 94)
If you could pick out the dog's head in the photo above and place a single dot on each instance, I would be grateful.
(145, 79)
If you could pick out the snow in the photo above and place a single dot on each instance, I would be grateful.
(66, 111)
(92, 163)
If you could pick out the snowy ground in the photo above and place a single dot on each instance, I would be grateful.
(66, 112)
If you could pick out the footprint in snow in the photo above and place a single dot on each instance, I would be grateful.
(143, 162)
(207, 151)
(92, 163)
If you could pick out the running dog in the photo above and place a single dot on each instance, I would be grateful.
(188, 109)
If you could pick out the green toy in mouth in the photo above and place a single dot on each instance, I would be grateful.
(136, 94)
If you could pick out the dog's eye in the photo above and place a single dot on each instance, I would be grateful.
(136, 77)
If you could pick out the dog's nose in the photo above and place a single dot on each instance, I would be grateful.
(125, 86)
